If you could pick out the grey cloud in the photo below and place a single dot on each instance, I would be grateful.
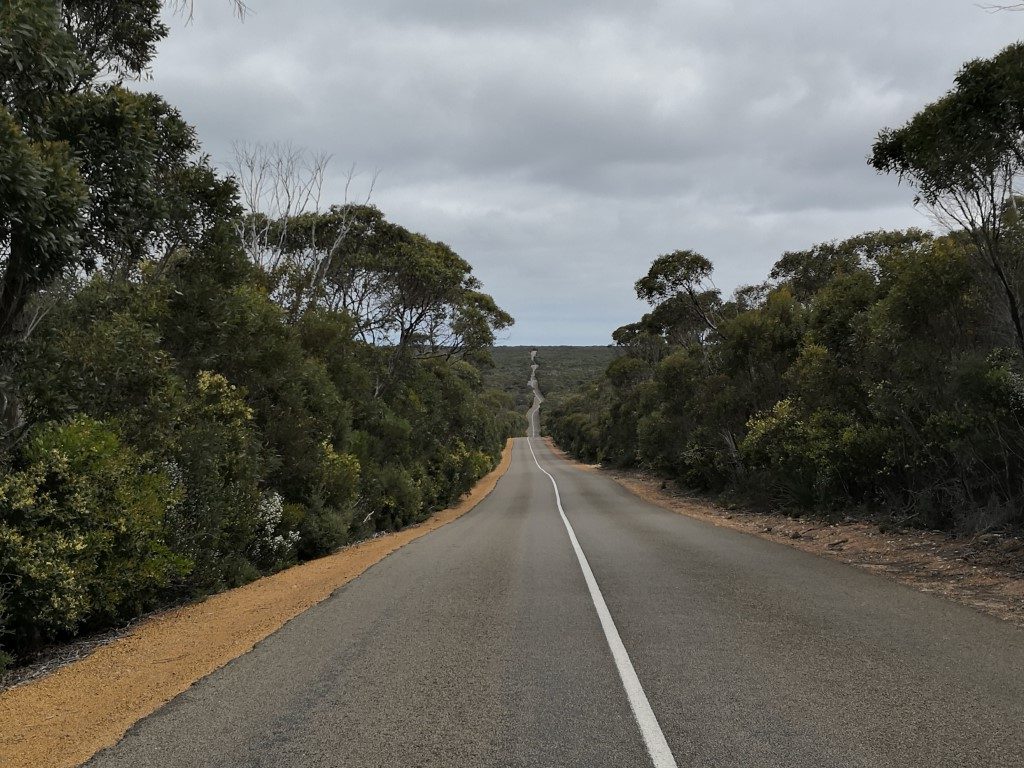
(560, 146)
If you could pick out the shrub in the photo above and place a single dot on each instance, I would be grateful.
(82, 532)
(320, 530)
(217, 465)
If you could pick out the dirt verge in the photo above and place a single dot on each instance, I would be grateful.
(63, 719)
(985, 572)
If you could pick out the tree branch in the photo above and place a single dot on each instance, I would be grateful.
(187, 8)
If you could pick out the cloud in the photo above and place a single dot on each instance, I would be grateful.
(561, 146)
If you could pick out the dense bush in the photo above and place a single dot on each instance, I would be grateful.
(83, 532)
(876, 373)
(194, 392)
(186, 438)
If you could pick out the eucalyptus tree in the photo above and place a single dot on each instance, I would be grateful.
(42, 192)
(965, 154)
(682, 279)
(93, 173)
(807, 272)
(402, 291)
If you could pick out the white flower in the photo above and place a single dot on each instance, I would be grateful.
(270, 543)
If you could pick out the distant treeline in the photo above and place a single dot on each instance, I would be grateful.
(202, 379)
(883, 373)
(563, 369)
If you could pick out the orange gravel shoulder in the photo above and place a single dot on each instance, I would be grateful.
(985, 572)
(62, 720)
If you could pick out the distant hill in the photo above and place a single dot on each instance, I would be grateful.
(562, 370)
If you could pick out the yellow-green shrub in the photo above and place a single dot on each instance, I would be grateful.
(82, 537)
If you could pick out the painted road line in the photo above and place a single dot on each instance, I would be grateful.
(653, 737)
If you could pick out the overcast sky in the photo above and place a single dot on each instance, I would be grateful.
(561, 145)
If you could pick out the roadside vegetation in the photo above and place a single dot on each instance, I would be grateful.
(564, 370)
(878, 375)
(203, 378)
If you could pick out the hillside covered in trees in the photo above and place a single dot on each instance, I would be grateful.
(203, 378)
(882, 373)
(566, 369)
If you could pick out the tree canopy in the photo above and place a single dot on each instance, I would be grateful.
(196, 391)
(964, 153)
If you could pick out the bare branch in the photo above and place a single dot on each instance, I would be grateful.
(1002, 7)
(187, 8)
(287, 232)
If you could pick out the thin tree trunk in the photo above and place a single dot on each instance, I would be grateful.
(14, 293)
(1012, 304)
(15, 290)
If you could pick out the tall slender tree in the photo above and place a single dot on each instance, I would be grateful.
(965, 155)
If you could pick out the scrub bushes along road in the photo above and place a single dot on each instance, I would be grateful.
(880, 374)
(872, 373)
(196, 390)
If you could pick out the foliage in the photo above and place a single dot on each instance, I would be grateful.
(82, 532)
(274, 439)
(964, 153)
(181, 416)
(869, 374)
(93, 174)
(879, 373)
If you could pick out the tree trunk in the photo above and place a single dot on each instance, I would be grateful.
(15, 289)
(1012, 304)
(12, 419)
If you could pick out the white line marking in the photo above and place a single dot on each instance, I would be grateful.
(658, 748)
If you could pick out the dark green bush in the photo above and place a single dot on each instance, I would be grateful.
(871, 375)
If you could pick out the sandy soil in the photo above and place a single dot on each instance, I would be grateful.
(63, 719)
(985, 572)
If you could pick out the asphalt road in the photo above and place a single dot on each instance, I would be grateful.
(533, 415)
(482, 644)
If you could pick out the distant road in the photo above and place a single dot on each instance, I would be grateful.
(533, 415)
(484, 644)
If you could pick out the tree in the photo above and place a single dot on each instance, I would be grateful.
(964, 153)
(807, 272)
(42, 192)
(436, 303)
(402, 290)
(93, 174)
(115, 39)
(685, 275)
(285, 232)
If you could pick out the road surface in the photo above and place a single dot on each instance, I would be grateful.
(640, 638)
(533, 415)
